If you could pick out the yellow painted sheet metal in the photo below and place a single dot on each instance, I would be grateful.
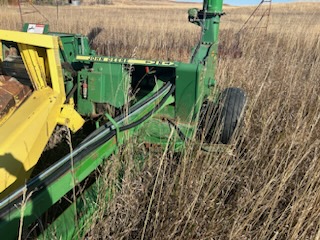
(70, 117)
(23, 138)
(38, 40)
(25, 134)
(56, 69)
(50, 43)
(34, 65)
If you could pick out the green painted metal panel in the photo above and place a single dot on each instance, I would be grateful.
(68, 226)
(187, 95)
(43, 198)
(108, 83)
(213, 5)
(84, 106)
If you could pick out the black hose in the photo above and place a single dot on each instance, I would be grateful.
(183, 137)
(123, 115)
(70, 94)
(34, 184)
(149, 114)
(180, 133)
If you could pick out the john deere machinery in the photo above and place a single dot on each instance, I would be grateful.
(52, 84)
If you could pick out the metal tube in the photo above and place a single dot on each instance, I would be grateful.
(212, 11)
(213, 5)
(209, 21)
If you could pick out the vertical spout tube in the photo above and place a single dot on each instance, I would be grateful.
(213, 6)
(212, 11)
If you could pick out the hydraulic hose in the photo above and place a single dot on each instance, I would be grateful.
(63, 165)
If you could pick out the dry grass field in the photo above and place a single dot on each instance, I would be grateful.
(267, 184)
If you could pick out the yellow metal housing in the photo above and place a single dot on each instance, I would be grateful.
(24, 135)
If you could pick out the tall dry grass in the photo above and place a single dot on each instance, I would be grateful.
(268, 186)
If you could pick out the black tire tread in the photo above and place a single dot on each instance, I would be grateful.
(234, 100)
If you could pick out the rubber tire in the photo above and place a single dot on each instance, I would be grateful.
(221, 119)
(230, 116)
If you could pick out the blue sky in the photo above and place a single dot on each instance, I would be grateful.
(241, 2)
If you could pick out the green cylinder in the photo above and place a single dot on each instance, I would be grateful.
(213, 5)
